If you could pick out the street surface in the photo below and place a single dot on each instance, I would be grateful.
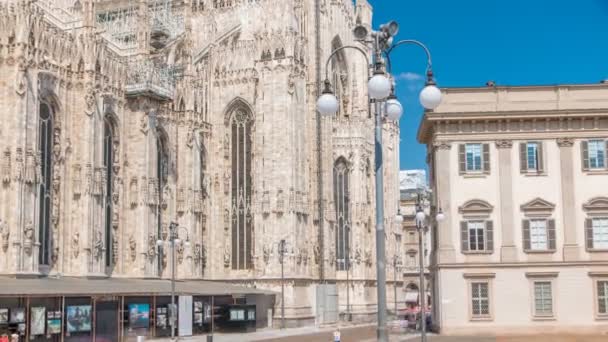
(367, 333)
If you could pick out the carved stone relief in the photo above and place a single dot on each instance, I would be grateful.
(5, 233)
(28, 238)
(76, 244)
(132, 248)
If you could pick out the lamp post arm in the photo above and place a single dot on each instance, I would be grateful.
(429, 60)
(331, 56)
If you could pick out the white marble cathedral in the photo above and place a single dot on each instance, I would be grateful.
(120, 116)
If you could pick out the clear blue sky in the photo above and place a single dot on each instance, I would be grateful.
(512, 42)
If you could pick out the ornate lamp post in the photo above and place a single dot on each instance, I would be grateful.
(422, 201)
(381, 93)
(174, 239)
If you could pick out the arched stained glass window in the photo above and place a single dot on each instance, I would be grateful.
(342, 201)
(45, 148)
(241, 214)
(108, 161)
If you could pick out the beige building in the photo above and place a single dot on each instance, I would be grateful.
(522, 176)
(411, 183)
(119, 117)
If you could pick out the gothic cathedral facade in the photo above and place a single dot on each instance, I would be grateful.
(120, 117)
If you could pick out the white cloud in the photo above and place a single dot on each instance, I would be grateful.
(409, 76)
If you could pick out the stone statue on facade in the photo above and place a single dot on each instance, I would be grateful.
(28, 238)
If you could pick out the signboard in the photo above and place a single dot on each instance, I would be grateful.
(184, 327)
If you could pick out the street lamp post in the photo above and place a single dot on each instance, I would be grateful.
(381, 93)
(396, 269)
(174, 240)
(282, 250)
(421, 226)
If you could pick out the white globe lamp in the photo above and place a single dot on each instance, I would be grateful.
(440, 216)
(379, 86)
(394, 109)
(430, 97)
(420, 216)
(159, 243)
(187, 244)
(327, 104)
(398, 219)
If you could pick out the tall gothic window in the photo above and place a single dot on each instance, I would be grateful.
(162, 172)
(342, 200)
(108, 161)
(242, 219)
(45, 148)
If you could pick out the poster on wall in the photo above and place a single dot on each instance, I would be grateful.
(198, 318)
(207, 313)
(3, 316)
(53, 326)
(37, 321)
(21, 328)
(198, 307)
(139, 316)
(79, 318)
(161, 321)
(18, 315)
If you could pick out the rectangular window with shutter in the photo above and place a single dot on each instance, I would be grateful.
(532, 156)
(480, 299)
(600, 233)
(538, 235)
(543, 298)
(476, 236)
(596, 154)
(473, 154)
(602, 297)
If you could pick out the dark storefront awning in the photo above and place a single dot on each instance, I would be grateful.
(72, 286)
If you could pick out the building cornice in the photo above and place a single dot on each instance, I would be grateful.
(499, 122)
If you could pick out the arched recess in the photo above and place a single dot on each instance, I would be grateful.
(48, 150)
(339, 76)
(343, 213)
(239, 123)
(111, 195)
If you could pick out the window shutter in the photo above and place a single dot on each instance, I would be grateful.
(489, 236)
(461, 159)
(486, 158)
(526, 234)
(551, 233)
(585, 154)
(523, 161)
(540, 158)
(589, 233)
(464, 236)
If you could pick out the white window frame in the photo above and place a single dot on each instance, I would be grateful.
(594, 148)
(483, 235)
(477, 301)
(599, 298)
(536, 233)
(534, 145)
(544, 297)
(600, 234)
(474, 167)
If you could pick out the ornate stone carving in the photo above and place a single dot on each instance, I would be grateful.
(227, 182)
(6, 166)
(317, 254)
(180, 249)
(280, 204)
(565, 142)
(89, 100)
(76, 244)
(132, 247)
(98, 247)
(5, 233)
(28, 238)
(442, 145)
(266, 250)
(504, 143)
(226, 258)
(77, 180)
(358, 257)
(226, 146)
(151, 246)
(226, 219)
(197, 253)
(133, 192)
(19, 167)
(181, 200)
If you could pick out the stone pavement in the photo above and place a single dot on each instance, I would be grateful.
(367, 333)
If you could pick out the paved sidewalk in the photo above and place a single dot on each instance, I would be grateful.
(306, 334)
